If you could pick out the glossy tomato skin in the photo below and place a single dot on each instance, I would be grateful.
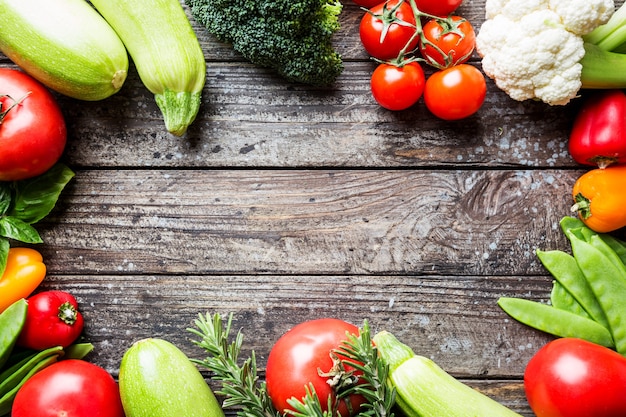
(456, 92)
(575, 378)
(297, 355)
(439, 8)
(69, 388)
(397, 36)
(397, 88)
(32, 132)
(453, 45)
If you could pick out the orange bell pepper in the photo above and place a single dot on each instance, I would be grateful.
(600, 198)
(24, 272)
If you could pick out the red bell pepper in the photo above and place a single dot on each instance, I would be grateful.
(598, 136)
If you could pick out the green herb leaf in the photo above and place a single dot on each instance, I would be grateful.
(14, 228)
(5, 197)
(36, 197)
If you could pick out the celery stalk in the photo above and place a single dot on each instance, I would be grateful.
(602, 69)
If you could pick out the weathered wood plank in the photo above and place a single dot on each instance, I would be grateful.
(307, 222)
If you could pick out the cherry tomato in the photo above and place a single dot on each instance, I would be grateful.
(456, 92)
(69, 388)
(381, 34)
(439, 8)
(52, 319)
(447, 42)
(368, 4)
(32, 128)
(297, 357)
(575, 378)
(397, 88)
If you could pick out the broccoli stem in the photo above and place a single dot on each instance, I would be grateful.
(612, 34)
(602, 69)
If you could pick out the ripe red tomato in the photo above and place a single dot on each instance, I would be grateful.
(439, 8)
(69, 388)
(397, 88)
(447, 42)
(574, 378)
(382, 37)
(297, 357)
(32, 128)
(456, 92)
(52, 319)
(368, 4)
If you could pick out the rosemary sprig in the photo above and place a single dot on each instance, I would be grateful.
(240, 383)
(242, 389)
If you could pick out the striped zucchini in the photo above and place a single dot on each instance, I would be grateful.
(66, 45)
(166, 53)
(423, 389)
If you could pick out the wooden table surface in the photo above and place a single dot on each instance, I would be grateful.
(285, 203)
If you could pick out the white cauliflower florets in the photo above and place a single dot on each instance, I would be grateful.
(532, 48)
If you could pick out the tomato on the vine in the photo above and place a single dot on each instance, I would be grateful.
(386, 29)
(447, 42)
(298, 357)
(576, 378)
(397, 87)
(71, 388)
(456, 92)
(32, 128)
(439, 8)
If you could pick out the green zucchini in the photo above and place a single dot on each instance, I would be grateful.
(66, 45)
(166, 53)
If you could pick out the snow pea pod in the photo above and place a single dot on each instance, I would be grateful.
(554, 321)
(561, 298)
(608, 282)
(11, 323)
(566, 271)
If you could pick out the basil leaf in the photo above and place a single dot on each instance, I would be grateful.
(4, 253)
(35, 197)
(16, 229)
(5, 197)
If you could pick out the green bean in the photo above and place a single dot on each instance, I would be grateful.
(12, 380)
(608, 283)
(566, 271)
(77, 350)
(561, 298)
(11, 322)
(554, 321)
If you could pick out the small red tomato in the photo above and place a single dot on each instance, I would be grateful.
(397, 88)
(383, 36)
(441, 8)
(456, 92)
(69, 388)
(598, 137)
(368, 4)
(447, 42)
(32, 128)
(52, 319)
(298, 357)
(575, 378)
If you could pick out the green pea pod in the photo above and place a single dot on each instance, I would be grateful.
(11, 381)
(77, 350)
(556, 322)
(618, 246)
(561, 298)
(568, 223)
(11, 322)
(566, 271)
(608, 283)
(6, 401)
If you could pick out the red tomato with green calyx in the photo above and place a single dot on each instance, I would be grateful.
(456, 92)
(598, 136)
(32, 128)
(447, 42)
(69, 388)
(387, 29)
(397, 87)
(297, 358)
(52, 319)
(575, 378)
(441, 8)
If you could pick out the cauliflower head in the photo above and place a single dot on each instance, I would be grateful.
(532, 48)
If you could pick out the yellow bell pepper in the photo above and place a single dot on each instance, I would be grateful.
(24, 272)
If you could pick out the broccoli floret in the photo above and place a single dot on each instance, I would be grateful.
(292, 37)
